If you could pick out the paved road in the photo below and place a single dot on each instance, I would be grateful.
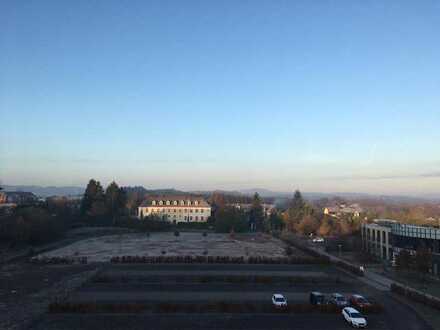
(373, 279)
(202, 321)
(198, 321)
(187, 296)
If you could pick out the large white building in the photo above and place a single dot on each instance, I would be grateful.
(176, 208)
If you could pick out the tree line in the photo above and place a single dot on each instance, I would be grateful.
(226, 217)
(103, 207)
(304, 219)
(299, 217)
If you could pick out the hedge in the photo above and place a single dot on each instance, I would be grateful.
(58, 260)
(212, 260)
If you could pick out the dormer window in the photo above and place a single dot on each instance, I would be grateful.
(175, 202)
(168, 202)
(196, 203)
(153, 203)
(182, 202)
(188, 202)
(160, 203)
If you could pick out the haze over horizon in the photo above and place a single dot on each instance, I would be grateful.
(323, 96)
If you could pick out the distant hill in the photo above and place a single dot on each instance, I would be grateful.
(265, 193)
(345, 195)
(47, 191)
(143, 191)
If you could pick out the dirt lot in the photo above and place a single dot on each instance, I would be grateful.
(26, 289)
(101, 249)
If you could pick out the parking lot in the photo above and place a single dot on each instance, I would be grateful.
(208, 284)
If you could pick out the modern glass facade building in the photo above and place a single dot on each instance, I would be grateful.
(386, 238)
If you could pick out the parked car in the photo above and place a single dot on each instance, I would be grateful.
(317, 298)
(354, 318)
(318, 240)
(359, 301)
(338, 300)
(278, 300)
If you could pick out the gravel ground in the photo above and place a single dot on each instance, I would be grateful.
(101, 249)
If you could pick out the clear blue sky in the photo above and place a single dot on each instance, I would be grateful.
(316, 95)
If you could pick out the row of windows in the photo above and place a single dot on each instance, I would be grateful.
(186, 218)
(196, 218)
(180, 210)
(414, 231)
(182, 202)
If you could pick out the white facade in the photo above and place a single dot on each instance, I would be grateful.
(176, 210)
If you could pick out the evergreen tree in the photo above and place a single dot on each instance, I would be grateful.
(228, 219)
(423, 259)
(257, 213)
(94, 193)
(275, 221)
(298, 209)
(404, 260)
(115, 199)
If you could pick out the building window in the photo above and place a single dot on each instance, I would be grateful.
(168, 202)
(175, 202)
(201, 218)
(190, 218)
(197, 218)
(153, 203)
(182, 202)
(196, 203)
(160, 203)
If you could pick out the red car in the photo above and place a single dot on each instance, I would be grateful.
(359, 301)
